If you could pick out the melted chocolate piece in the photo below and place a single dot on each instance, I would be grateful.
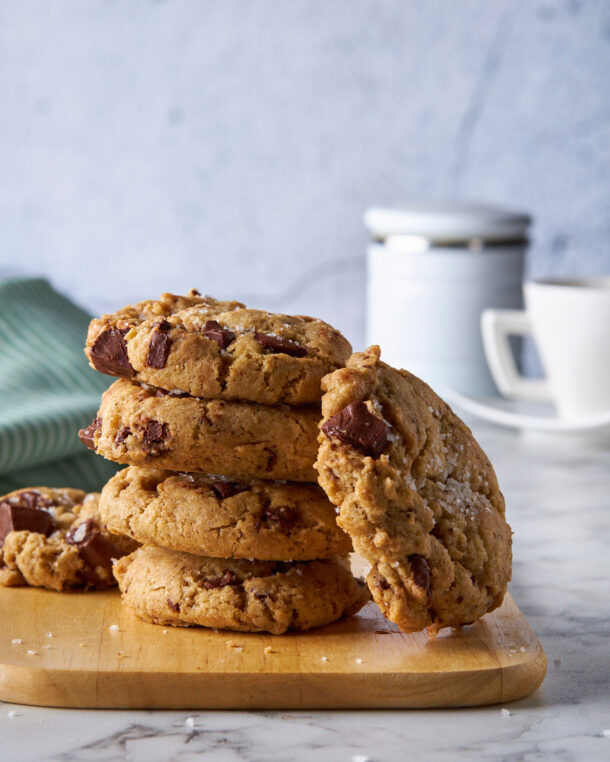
(15, 517)
(277, 345)
(357, 426)
(383, 584)
(228, 578)
(158, 350)
(421, 572)
(30, 498)
(95, 550)
(223, 490)
(282, 517)
(214, 331)
(155, 432)
(109, 354)
(122, 435)
(86, 436)
(173, 606)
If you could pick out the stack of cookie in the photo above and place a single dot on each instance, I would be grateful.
(216, 413)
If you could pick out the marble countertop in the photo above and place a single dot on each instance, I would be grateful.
(558, 502)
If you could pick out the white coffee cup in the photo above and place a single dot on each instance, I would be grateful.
(570, 323)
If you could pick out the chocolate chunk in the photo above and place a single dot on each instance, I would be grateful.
(15, 517)
(277, 345)
(214, 331)
(421, 572)
(357, 426)
(283, 517)
(228, 578)
(271, 458)
(383, 584)
(30, 498)
(95, 550)
(86, 436)
(158, 350)
(223, 490)
(122, 435)
(109, 354)
(155, 432)
(262, 597)
(173, 606)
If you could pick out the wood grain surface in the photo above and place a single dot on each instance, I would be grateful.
(86, 650)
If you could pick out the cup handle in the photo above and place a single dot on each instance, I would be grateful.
(496, 327)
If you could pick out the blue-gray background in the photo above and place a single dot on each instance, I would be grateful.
(232, 145)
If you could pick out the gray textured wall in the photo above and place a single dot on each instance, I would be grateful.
(233, 145)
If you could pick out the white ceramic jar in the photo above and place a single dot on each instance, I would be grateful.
(432, 270)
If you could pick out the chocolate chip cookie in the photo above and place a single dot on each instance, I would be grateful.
(141, 425)
(211, 349)
(54, 538)
(417, 495)
(172, 588)
(215, 516)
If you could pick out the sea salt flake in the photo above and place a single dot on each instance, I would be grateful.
(31, 652)
(13, 713)
(506, 713)
(358, 661)
(49, 634)
(523, 649)
(324, 659)
(360, 758)
(114, 628)
(16, 641)
(190, 722)
(606, 733)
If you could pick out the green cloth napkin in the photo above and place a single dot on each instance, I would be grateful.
(47, 390)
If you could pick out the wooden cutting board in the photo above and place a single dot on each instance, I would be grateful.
(64, 649)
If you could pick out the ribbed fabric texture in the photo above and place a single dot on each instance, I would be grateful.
(47, 390)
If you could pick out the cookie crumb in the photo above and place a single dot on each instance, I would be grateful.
(506, 713)
(235, 645)
(16, 641)
(82, 645)
(269, 650)
(121, 655)
(31, 652)
(114, 628)
(557, 661)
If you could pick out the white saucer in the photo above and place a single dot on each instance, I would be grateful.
(521, 415)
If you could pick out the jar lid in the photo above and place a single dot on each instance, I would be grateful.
(448, 222)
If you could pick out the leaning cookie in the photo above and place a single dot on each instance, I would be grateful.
(54, 538)
(214, 516)
(211, 349)
(172, 588)
(417, 495)
(140, 425)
